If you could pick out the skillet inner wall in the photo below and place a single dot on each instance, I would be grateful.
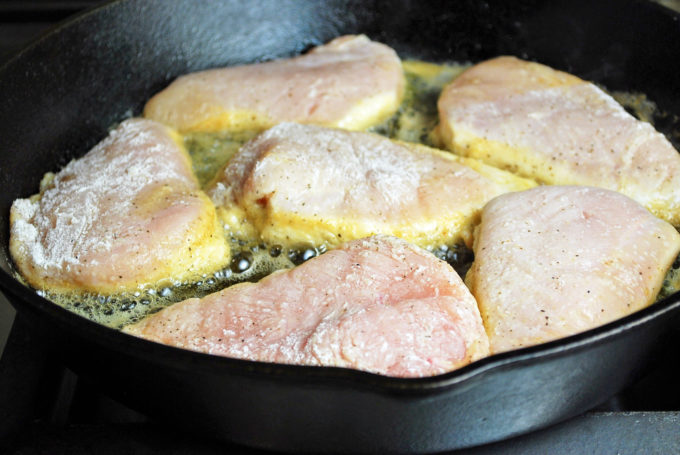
(60, 97)
(62, 94)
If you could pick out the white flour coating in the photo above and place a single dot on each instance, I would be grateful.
(351, 82)
(560, 130)
(344, 308)
(359, 166)
(579, 127)
(301, 180)
(557, 260)
(65, 224)
(97, 201)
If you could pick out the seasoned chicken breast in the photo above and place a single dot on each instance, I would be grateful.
(376, 304)
(558, 129)
(309, 185)
(126, 215)
(351, 83)
(557, 260)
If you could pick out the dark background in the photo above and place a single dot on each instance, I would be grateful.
(76, 419)
(21, 22)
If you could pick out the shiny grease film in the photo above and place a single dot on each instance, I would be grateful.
(414, 121)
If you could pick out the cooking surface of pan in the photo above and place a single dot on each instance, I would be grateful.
(63, 93)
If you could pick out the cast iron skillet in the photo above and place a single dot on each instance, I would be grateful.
(61, 94)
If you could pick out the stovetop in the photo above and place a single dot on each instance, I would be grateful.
(47, 409)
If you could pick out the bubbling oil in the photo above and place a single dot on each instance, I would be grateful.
(414, 121)
(250, 263)
(252, 260)
(211, 151)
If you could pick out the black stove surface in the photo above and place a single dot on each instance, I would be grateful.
(47, 409)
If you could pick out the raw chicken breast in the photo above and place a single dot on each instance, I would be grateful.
(557, 260)
(351, 83)
(309, 185)
(558, 129)
(376, 304)
(126, 215)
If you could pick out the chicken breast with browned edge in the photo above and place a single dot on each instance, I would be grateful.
(127, 215)
(558, 129)
(557, 260)
(310, 185)
(351, 82)
(377, 304)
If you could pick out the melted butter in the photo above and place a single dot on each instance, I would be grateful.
(417, 116)
(637, 104)
(250, 262)
(414, 121)
(210, 152)
(671, 283)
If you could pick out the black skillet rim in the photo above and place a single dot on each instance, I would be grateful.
(21, 296)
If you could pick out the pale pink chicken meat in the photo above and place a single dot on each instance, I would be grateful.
(302, 184)
(558, 129)
(126, 215)
(557, 260)
(376, 304)
(351, 82)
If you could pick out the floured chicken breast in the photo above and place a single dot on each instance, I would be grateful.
(126, 215)
(558, 129)
(557, 260)
(377, 304)
(309, 185)
(351, 83)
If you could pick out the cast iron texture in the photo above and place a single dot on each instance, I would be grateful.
(62, 94)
